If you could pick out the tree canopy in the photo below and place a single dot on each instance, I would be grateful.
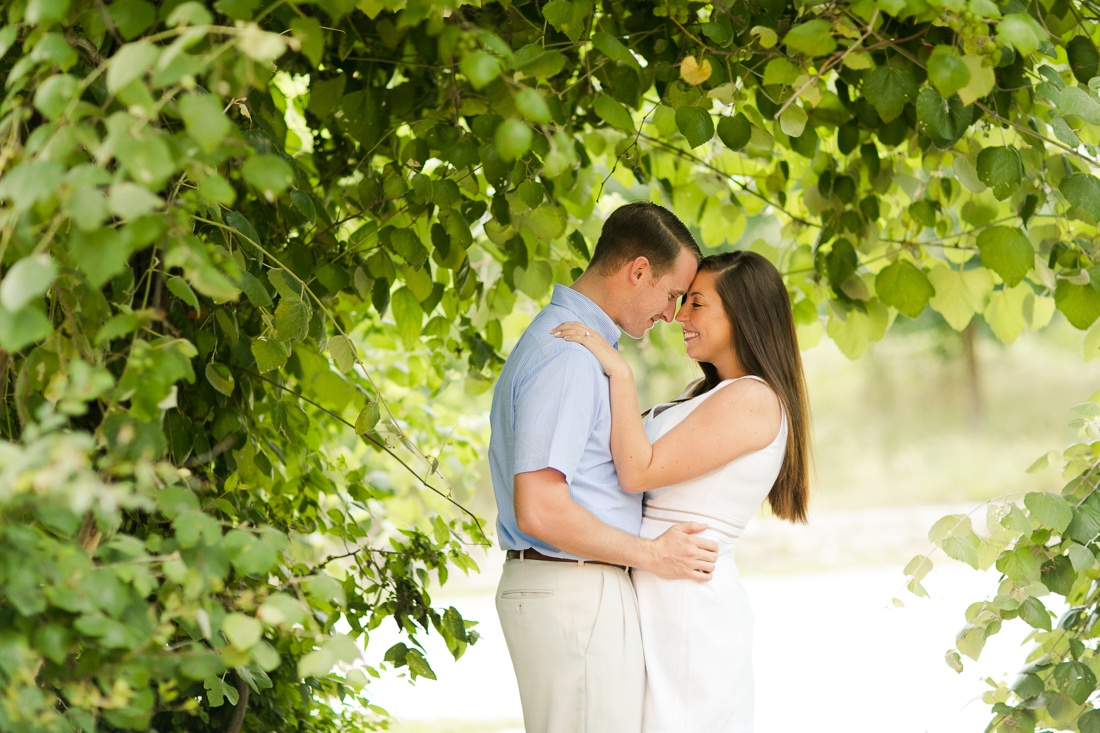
(243, 244)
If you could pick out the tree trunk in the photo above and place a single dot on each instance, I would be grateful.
(973, 378)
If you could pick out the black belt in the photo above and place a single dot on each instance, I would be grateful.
(530, 554)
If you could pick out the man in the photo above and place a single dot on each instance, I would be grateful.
(565, 599)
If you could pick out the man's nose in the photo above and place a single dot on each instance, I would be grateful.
(669, 312)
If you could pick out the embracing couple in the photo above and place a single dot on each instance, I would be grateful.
(620, 600)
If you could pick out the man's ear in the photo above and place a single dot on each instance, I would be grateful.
(638, 269)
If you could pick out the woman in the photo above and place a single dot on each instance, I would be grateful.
(740, 434)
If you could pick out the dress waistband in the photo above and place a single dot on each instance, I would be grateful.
(672, 515)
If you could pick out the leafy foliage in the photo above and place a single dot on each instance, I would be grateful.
(1045, 547)
(243, 245)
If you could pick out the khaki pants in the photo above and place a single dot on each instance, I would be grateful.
(573, 634)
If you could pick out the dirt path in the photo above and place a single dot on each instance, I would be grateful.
(829, 644)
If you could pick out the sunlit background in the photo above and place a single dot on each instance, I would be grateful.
(929, 422)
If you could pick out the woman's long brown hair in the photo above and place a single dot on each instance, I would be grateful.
(759, 309)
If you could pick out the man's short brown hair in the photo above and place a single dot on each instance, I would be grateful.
(642, 229)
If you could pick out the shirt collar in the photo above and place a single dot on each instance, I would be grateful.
(587, 312)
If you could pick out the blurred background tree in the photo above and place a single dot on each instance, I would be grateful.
(244, 246)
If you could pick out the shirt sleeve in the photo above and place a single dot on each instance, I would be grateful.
(557, 407)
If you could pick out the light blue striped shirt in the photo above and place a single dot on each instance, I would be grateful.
(552, 409)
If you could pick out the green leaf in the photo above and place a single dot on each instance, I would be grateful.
(1035, 614)
(269, 355)
(254, 290)
(367, 419)
(260, 45)
(220, 377)
(960, 293)
(963, 548)
(970, 641)
(407, 244)
(408, 314)
(480, 68)
(292, 319)
(613, 48)
(1018, 564)
(1079, 303)
(1080, 557)
(179, 288)
(1075, 679)
(1074, 101)
(781, 71)
(1049, 510)
(129, 201)
(45, 12)
(613, 113)
(1022, 32)
(735, 131)
(281, 609)
(218, 691)
(343, 352)
(1006, 251)
(531, 105)
(1002, 169)
(812, 38)
(535, 279)
(982, 79)
(512, 139)
(311, 37)
(546, 223)
(8, 36)
(205, 121)
(905, 287)
(242, 632)
(326, 588)
(238, 222)
(948, 526)
(793, 121)
(765, 36)
(317, 663)
(19, 329)
(418, 665)
(28, 279)
(1005, 312)
(1085, 525)
(946, 71)
(129, 63)
(1089, 722)
(888, 88)
(30, 182)
(268, 173)
(918, 567)
(1082, 190)
(696, 125)
(1083, 60)
(539, 63)
(55, 94)
(566, 17)
(943, 120)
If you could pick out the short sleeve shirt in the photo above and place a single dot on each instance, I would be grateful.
(552, 409)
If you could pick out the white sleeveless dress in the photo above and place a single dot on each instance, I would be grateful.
(697, 637)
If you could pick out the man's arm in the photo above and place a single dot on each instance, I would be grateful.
(545, 510)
